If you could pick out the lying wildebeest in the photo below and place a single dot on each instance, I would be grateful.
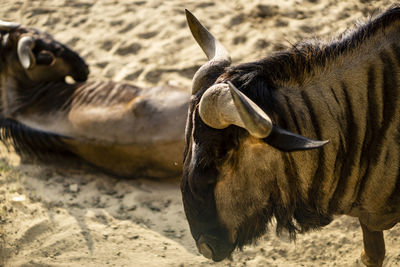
(247, 160)
(122, 129)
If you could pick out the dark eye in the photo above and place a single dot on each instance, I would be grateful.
(203, 172)
(210, 176)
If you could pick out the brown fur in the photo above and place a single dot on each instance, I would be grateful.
(346, 91)
(118, 127)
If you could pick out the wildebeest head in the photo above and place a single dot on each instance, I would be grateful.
(232, 157)
(29, 56)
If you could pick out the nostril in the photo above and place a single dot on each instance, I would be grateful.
(205, 250)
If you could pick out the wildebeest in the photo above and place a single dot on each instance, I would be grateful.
(247, 159)
(123, 129)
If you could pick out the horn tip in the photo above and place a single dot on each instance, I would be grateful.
(325, 142)
(191, 19)
(316, 144)
(188, 13)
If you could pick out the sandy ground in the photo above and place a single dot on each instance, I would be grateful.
(76, 216)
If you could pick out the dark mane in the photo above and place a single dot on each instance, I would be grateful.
(32, 143)
(60, 96)
(49, 96)
(301, 60)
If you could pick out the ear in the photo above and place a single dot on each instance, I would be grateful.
(287, 141)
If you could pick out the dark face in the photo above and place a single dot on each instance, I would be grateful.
(226, 186)
(205, 149)
(234, 183)
(53, 60)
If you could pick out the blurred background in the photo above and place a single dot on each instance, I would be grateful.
(80, 217)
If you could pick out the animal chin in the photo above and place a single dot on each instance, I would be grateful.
(216, 253)
(222, 255)
(205, 250)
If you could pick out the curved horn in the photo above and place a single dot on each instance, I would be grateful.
(256, 121)
(223, 104)
(217, 55)
(25, 54)
(7, 26)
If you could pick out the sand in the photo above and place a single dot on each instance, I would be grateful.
(77, 216)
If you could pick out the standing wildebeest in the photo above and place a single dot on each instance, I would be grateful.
(122, 129)
(241, 168)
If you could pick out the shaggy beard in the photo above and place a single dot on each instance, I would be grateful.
(292, 219)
